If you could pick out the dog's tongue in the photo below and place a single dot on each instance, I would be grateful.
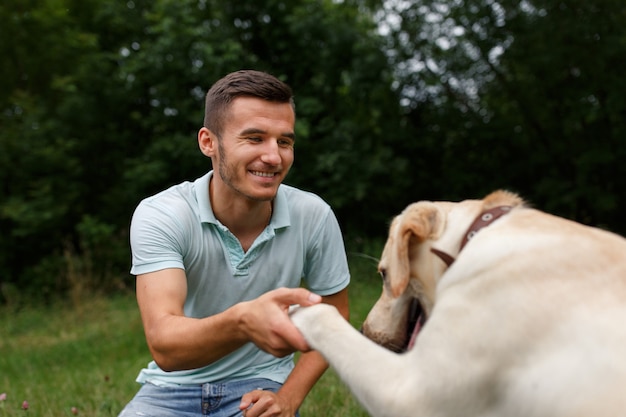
(416, 330)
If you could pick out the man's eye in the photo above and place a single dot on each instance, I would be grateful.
(254, 139)
(285, 143)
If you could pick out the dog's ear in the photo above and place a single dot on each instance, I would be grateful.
(418, 222)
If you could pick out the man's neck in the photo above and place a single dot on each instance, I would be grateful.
(245, 218)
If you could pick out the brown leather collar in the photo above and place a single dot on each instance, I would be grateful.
(483, 220)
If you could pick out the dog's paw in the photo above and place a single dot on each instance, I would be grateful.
(310, 320)
(305, 316)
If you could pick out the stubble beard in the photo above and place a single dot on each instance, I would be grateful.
(228, 174)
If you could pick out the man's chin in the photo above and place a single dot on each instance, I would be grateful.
(264, 196)
(262, 193)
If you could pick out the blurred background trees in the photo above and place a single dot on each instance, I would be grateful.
(397, 101)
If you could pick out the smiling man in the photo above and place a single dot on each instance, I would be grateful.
(220, 260)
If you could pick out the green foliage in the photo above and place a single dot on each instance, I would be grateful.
(100, 103)
(521, 95)
(102, 108)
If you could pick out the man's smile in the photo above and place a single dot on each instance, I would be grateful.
(263, 174)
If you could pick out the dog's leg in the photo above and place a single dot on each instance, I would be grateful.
(369, 370)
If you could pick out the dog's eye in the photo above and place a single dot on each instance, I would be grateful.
(383, 274)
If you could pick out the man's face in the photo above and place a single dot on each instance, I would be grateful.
(255, 151)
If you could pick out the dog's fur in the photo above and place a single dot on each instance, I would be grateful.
(529, 320)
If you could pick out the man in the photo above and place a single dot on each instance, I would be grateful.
(220, 260)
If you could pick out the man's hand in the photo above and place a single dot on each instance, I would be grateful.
(266, 320)
(260, 403)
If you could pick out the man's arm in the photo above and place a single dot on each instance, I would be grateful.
(307, 371)
(178, 342)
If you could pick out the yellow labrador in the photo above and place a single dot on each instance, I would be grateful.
(520, 313)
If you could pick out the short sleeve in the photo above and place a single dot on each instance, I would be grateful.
(155, 239)
(326, 271)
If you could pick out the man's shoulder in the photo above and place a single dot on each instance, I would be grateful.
(301, 197)
(305, 209)
(175, 199)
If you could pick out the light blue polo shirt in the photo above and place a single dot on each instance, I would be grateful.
(177, 229)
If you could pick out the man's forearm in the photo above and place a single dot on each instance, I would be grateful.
(308, 370)
(311, 365)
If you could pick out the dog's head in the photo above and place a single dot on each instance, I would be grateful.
(409, 269)
(406, 275)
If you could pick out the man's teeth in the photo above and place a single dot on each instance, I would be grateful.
(263, 174)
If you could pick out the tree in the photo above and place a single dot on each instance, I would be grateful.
(102, 108)
(522, 95)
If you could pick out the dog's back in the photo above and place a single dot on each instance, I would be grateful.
(550, 299)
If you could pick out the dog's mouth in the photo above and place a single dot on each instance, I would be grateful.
(415, 321)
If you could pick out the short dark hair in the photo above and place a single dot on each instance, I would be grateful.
(244, 83)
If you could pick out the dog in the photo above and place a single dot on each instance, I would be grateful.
(489, 308)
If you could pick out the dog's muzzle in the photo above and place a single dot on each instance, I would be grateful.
(415, 320)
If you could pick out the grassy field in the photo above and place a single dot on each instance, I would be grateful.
(82, 359)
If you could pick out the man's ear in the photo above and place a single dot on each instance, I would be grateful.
(207, 142)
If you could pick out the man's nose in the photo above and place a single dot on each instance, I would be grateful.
(271, 152)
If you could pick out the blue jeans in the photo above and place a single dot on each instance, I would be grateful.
(217, 400)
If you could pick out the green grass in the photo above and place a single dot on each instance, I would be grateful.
(87, 356)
